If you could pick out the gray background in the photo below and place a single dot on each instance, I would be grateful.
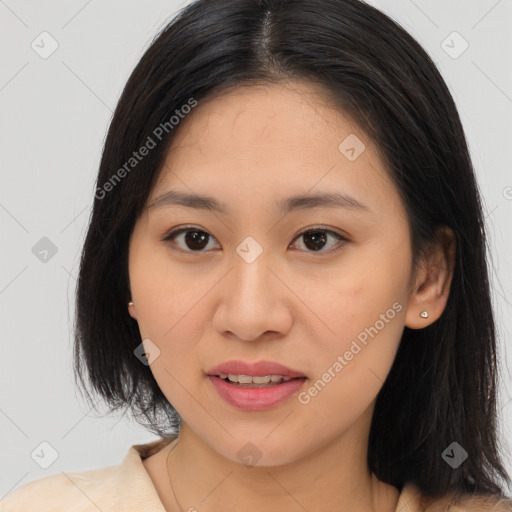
(54, 115)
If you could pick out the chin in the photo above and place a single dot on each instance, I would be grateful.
(258, 451)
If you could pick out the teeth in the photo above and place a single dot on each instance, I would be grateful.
(265, 379)
(242, 379)
(248, 379)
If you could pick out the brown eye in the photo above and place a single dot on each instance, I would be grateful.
(196, 240)
(193, 240)
(316, 239)
(190, 239)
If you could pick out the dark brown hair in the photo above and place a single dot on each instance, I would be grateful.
(442, 385)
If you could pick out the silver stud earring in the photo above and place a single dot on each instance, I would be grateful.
(130, 303)
(424, 314)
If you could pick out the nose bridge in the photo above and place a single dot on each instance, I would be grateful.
(251, 285)
(252, 299)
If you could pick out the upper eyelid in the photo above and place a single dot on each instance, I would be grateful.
(305, 230)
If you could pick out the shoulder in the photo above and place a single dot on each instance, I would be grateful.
(482, 504)
(127, 486)
(470, 503)
(76, 491)
(413, 500)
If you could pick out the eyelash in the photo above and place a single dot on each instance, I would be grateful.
(171, 235)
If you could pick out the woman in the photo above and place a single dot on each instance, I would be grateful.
(284, 275)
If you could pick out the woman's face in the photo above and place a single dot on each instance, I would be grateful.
(265, 278)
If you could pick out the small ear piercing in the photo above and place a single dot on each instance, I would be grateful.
(130, 303)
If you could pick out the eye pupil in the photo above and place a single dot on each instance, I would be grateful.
(195, 239)
(316, 238)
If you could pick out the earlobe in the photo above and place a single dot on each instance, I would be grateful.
(131, 310)
(432, 287)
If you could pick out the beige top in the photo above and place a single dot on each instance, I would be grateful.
(129, 488)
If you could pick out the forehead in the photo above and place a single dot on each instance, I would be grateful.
(265, 115)
(281, 138)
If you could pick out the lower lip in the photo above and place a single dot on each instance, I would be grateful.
(256, 399)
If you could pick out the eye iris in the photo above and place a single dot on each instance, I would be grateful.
(315, 237)
(198, 240)
(195, 239)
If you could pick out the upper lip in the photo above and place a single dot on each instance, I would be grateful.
(257, 369)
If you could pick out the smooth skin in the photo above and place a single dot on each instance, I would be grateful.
(248, 148)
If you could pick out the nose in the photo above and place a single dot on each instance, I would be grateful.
(254, 303)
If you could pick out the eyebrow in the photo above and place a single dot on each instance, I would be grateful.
(298, 202)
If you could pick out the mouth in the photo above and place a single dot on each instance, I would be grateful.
(253, 381)
(255, 386)
(260, 373)
(258, 389)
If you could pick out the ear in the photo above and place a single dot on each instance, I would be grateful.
(431, 287)
(131, 311)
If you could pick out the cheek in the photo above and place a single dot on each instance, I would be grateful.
(360, 315)
(352, 364)
(164, 295)
(170, 314)
(353, 296)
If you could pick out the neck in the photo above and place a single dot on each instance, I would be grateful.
(334, 477)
